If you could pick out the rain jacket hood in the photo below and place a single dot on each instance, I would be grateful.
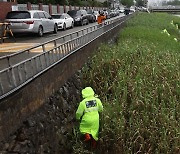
(87, 92)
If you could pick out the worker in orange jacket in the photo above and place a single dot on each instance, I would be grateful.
(101, 17)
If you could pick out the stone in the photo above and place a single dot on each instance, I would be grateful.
(24, 142)
(6, 145)
(12, 143)
(17, 148)
(30, 123)
(65, 92)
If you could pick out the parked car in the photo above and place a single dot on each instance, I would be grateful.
(126, 11)
(106, 13)
(91, 16)
(63, 20)
(33, 21)
(111, 13)
(121, 10)
(143, 9)
(132, 9)
(115, 12)
(80, 17)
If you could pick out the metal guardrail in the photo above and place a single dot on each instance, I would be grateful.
(16, 75)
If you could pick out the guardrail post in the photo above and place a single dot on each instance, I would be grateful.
(55, 47)
(83, 39)
(68, 49)
(63, 50)
(36, 65)
(40, 63)
(60, 51)
(19, 74)
(71, 36)
(25, 71)
(1, 88)
(8, 59)
(46, 58)
(77, 34)
(43, 47)
(11, 77)
(32, 68)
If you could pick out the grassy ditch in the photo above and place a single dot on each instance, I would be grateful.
(138, 81)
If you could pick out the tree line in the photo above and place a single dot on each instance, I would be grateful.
(67, 2)
(175, 2)
(96, 3)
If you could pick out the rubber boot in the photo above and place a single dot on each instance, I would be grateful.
(94, 144)
(87, 137)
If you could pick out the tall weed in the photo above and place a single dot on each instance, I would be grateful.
(138, 81)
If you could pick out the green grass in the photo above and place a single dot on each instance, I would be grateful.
(138, 81)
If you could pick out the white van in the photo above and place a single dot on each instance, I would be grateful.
(33, 21)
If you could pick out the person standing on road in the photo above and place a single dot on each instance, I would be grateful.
(101, 17)
(88, 112)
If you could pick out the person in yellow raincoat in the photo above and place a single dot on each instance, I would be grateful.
(88, 112)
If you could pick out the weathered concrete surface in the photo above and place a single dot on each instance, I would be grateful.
(49, 129)
(18, 107)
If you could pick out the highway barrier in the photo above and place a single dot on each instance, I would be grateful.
(20, 68)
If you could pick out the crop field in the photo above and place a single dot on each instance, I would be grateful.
(138, 81)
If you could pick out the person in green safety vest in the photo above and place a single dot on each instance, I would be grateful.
(88, 113)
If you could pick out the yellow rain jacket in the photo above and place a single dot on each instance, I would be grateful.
(89, 109)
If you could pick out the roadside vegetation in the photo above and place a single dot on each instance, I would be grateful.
(138, 81)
